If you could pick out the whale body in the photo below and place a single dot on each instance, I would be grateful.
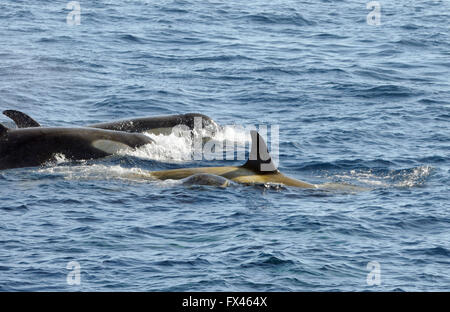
(259, 169)
(155, 125)
(30, 147)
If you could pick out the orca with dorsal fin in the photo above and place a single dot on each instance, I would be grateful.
(259, 169)
(155, 125)
(30, 147)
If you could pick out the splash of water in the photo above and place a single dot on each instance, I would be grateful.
(95, 172)
(411, 177)
(179, 146)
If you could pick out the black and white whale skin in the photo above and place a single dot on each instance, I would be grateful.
(155, 125)
(30, 147)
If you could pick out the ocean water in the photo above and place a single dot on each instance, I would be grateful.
(355, 103)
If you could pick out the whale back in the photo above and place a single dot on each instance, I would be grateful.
(156, 125)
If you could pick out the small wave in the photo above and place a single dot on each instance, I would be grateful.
(173, 10)
(184, 263)
(435, 251)
(47, 40)
(416, 222)
(384, 91)
(411, 43)
(412, 177)
(268, 260)
(218, 58)
(279, 19)
(329, 36)
(276, 70)
(410, 27)
(326, 71)
(22, 208)
(345, 165)
(130, 38)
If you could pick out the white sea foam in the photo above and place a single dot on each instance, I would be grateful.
(57, 159)
(98, 172)
(179, 146)
(415, 177)
(395, 178)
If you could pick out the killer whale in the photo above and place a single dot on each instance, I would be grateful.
(155, 125)
(259, 169)
(30, 147)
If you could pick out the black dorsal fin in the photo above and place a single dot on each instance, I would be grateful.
(3, 129)
(22, 120)
(260, 159)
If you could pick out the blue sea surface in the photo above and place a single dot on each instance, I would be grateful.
(355, 103)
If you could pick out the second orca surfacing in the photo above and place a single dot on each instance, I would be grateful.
(259, 169)
(155, 125)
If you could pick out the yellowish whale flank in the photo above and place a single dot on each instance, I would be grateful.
(236, 174)
(250, 173)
